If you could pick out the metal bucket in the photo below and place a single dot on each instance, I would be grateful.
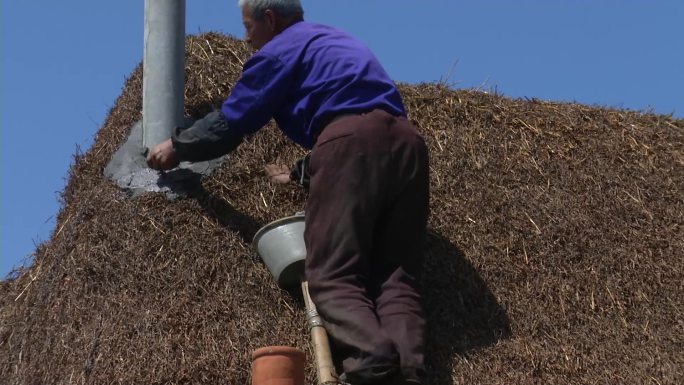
(280, 244)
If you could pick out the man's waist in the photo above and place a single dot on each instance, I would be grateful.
(338, 117)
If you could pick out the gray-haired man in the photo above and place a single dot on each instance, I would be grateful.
(367, 209)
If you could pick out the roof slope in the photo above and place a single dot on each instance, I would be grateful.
(555, 250)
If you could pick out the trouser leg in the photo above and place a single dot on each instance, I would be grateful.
(365, 221)
(398, 256)
(340, 219)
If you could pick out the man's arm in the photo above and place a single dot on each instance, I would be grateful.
(208, 138)
(252, 102)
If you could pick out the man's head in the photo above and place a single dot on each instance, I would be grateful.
(263, 19)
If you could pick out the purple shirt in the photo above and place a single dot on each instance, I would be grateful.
(304, 77)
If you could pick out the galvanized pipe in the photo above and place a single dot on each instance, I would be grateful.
(163, 69)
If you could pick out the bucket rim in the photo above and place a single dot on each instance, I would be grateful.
(277, 223)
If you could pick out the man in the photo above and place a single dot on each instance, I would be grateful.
(367, 209)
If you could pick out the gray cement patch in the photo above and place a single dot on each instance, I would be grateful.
(128, 169)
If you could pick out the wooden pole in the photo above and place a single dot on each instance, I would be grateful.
(325, 369)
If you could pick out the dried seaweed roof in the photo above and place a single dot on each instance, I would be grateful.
(554, 253)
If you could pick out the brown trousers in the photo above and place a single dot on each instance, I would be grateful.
(366, 218)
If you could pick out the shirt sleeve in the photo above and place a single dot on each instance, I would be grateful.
(208, 138)
(258, 93)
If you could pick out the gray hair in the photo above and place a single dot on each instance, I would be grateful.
(281, 7)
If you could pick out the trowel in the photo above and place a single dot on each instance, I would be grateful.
(280, 244)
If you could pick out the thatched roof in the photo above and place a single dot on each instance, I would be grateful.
(555, 250)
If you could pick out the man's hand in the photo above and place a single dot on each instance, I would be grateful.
(278, 173)
(163, 156)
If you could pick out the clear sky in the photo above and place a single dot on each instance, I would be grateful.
(64, 64)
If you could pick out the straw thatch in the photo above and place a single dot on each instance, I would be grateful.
(555, 250)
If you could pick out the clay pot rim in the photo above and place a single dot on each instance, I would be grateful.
(277, 350)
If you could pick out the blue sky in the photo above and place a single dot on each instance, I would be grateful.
(64, 63)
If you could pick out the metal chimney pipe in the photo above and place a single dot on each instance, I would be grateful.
(163, 69)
